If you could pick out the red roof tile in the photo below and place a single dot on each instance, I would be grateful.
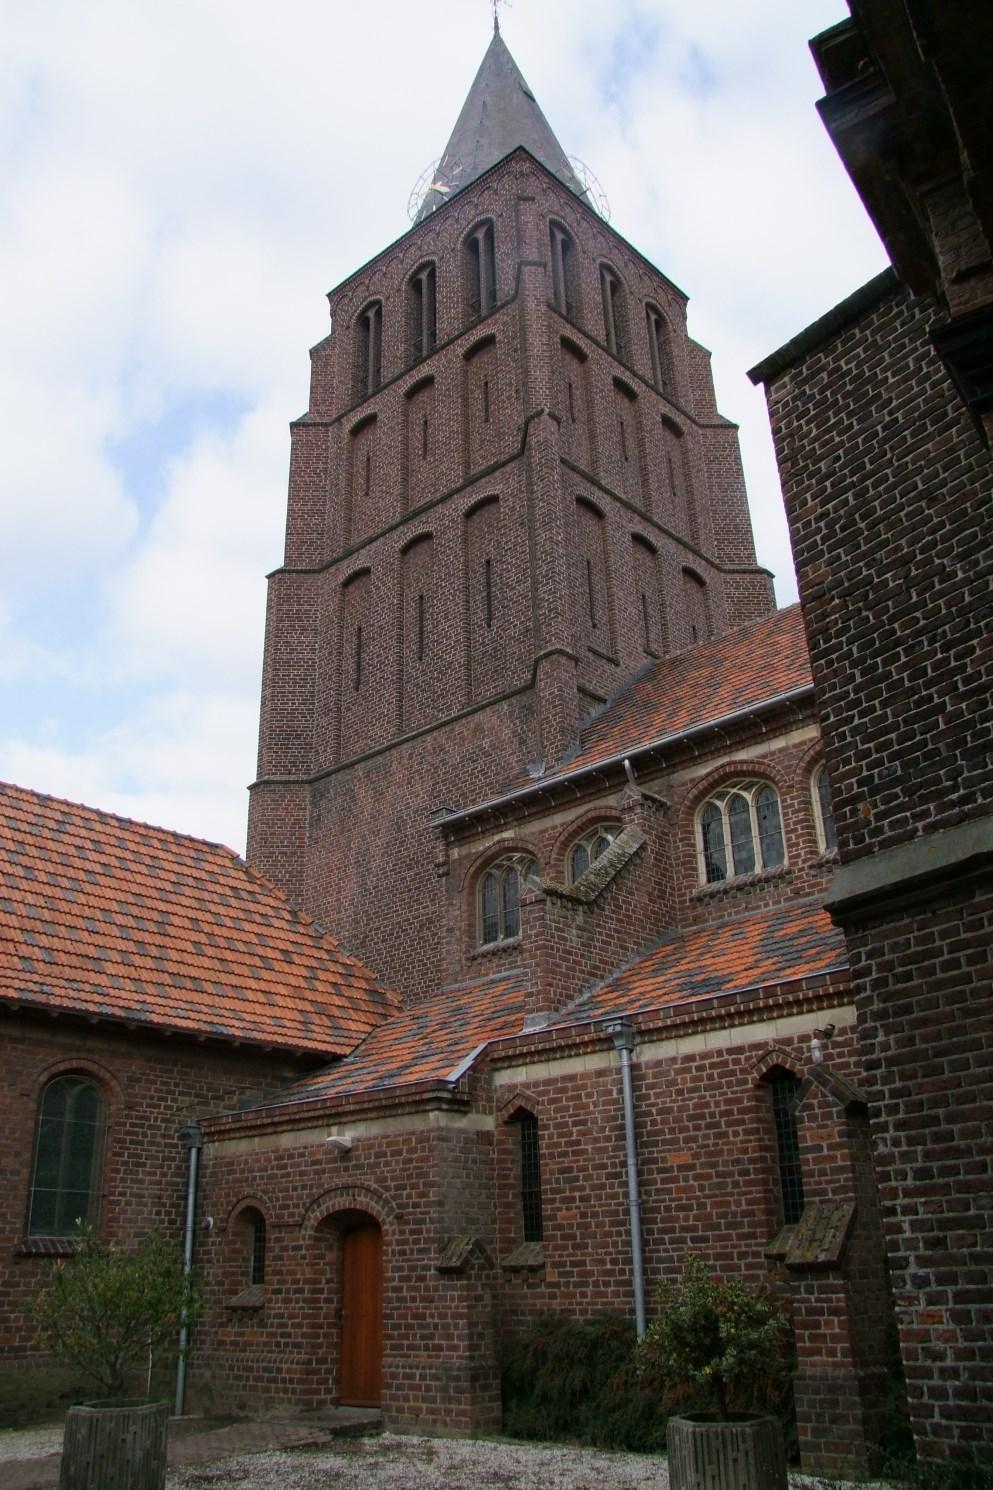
(430, 1042)
(106, 917)
(734, 673)
(767, 947)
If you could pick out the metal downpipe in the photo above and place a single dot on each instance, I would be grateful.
(192, 1135)
(623, 1038)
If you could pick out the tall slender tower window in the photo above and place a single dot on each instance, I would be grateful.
(785, 1088)
(613, 317)
(423, 311)
(531, 1220)
(660, 347)
(481, 256)
(563, 271)
(370, 348)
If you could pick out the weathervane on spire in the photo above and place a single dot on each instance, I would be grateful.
(496, 14)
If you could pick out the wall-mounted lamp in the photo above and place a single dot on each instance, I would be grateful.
(817, 1043)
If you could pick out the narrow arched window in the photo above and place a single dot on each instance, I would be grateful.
(613, 311)
(369, 348)
(68, 1150)
(785, 1087)
(480, 249)
(660, 348)
(563, 255)
(531, 1220)
(589, 848)
(827, 837)
(423, 311)
(499, 898)
(256, 1247)
(740, 831)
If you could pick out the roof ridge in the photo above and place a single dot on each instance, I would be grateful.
(119, 817)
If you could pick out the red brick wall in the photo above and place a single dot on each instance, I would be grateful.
(503, 607)
(151, 1085)
(888, 488)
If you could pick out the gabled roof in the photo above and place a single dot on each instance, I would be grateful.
(499, 115)
(109, 918)
(759, 950)
(707, 687)
(434, 1041)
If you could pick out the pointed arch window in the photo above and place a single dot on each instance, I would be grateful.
(740, 831)
(660, 349)
(532, 1228)
(563, 270)
(499, 898)
(480, 249)
(589, 848)
(612, 296)
(68, 1150)
(423, 311)
(827, 837)
(369, 348)
(784, 1088)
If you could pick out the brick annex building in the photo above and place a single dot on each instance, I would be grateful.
(538, 750)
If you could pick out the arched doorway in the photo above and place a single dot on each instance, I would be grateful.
(361, 1351)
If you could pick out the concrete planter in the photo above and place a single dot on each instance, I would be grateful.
(744, 1454)
(117, 1445)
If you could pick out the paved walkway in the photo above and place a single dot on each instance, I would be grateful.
(199, 1441)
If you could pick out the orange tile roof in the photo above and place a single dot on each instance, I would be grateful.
(734, 673)
(433, 1041)
(767, 947)
(106, 917)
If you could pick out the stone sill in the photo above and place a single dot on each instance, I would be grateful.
(252, 1297)
(741, 882)
(47, 1246)
(527, 1258)
(490, 949)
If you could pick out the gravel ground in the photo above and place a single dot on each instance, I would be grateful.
(389, 1461)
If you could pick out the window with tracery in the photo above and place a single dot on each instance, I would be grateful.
(499, 898)
(68, 1149)
(589, 848)
(827, 837)
(740, 831)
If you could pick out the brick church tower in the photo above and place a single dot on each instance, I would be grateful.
(510, 492)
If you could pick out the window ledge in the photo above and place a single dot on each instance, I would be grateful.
(741, 882)
(252, 1297)
(826, 860)
(527, 1258)
(489, 949)
(47, 1246)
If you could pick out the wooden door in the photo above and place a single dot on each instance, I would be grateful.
(361, 1315)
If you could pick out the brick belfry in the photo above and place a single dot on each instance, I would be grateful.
(510, 492)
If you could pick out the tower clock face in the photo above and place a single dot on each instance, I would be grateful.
(436, 182)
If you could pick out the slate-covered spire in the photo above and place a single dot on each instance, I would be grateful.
(499, 114)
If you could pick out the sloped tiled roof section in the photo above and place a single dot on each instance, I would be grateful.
(432, 1042)
(784, 945)
(743, 670)
(109, 918)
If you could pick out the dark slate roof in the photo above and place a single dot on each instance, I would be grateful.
(499, 115)
(111, 919)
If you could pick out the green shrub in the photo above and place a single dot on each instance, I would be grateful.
(33, 1392)
(941, 1474)
(720, 1340)
(106, 1310)
(578, 1379)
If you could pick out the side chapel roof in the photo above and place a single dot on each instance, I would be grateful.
(499, 115)
(109, 918)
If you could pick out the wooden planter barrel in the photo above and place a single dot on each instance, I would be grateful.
(708, 1455)
(115, 1446)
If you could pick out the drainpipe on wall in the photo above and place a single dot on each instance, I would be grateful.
(192, 1135)
(623, 1038)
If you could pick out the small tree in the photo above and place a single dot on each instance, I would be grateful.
(719, 1339)
(106, 1309)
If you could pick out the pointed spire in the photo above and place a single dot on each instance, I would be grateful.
(499, 114)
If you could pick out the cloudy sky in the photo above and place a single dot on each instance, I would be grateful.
(182, 182)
